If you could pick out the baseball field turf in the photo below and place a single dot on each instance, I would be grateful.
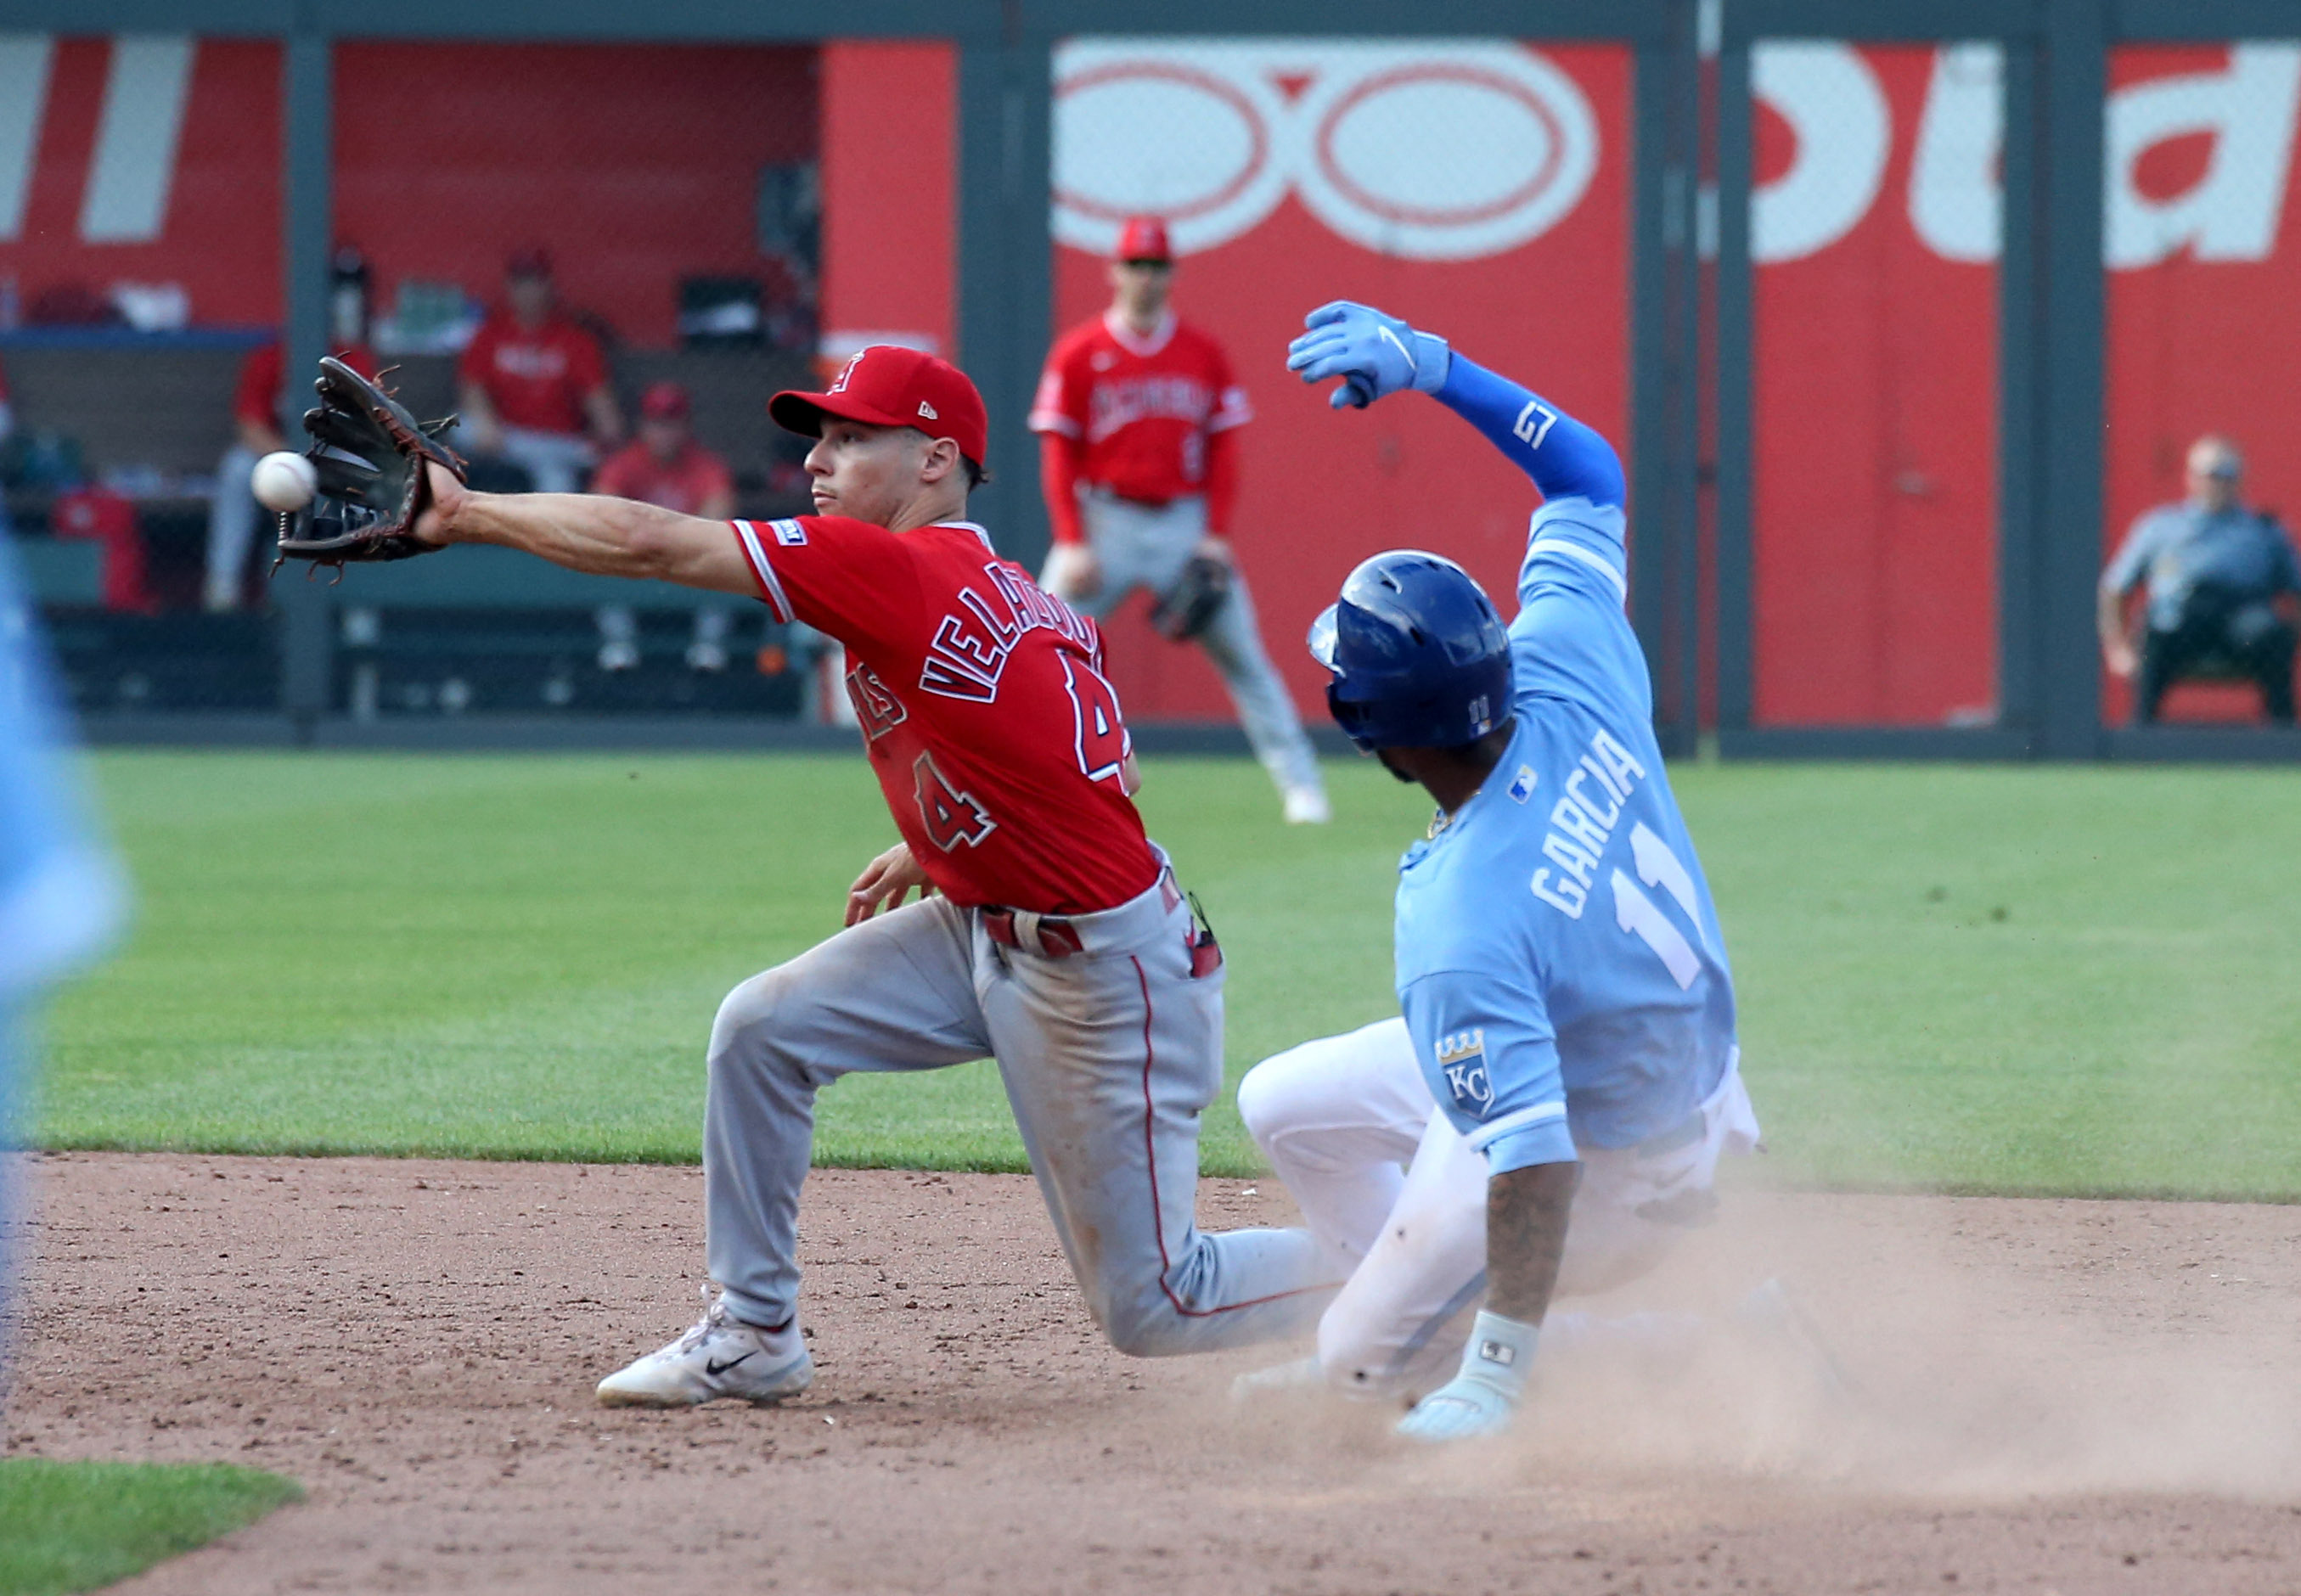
(2016, 980)
(75, 1527)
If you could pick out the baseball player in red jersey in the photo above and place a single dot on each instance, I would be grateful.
(1136, 413)
(1050, 933)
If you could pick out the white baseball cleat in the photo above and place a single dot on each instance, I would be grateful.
(1308, 806)
(720, 1357)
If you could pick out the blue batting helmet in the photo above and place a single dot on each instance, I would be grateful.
(1419, 658)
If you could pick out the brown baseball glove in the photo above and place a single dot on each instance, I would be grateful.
(368, 451)
(1190, 606)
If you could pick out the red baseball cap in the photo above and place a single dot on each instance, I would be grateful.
(1142, 238)
(534, 261)
(888, 386)
(664, 401)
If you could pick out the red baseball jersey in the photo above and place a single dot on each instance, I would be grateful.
(1142, 407)
(984, 709)
(692, 479)
(263, 382)
(536, 379)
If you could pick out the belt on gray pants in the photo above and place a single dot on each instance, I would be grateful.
(1059, 936)
(1050, 935)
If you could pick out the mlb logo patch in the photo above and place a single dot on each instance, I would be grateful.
(1462, 1061)
(1522, 785)
(789, 533)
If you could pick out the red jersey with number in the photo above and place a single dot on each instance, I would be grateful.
(686, 482)
(537, 380)
(984, 709)
(263, 381)
(1143, 408)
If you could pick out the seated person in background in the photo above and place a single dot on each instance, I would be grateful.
(100, 516)
(256, 424)
(2224, 583)
(532, 386)
(665, 466)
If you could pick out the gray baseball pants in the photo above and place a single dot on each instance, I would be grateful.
(1108, 1056)
(1146, 545)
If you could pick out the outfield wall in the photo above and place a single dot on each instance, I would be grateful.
(1292, 169)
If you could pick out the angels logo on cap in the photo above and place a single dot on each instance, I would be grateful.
(888, 386)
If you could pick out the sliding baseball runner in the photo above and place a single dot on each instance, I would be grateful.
(1050, 933)
(1564, 1074)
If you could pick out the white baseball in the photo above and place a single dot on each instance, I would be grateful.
(284, 481)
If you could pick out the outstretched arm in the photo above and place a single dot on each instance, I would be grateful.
(606, 537)
(1565, 458)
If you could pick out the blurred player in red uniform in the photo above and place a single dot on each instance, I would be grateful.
(665, 466)
(1051, 937)
(257, 428)
(1136, 413)
(533, 386)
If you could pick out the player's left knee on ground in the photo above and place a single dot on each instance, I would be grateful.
(1139, 1318)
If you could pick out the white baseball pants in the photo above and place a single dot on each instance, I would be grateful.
(1396, 1196)
(1108, 1056)
(1146, 545)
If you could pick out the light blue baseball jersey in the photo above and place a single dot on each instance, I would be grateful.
(1558, 959)
(59, 894)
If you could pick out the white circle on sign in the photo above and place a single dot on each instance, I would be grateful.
(1446, 155)
(1167, 136)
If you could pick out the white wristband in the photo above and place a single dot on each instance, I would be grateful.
(1432, 358)
(1500, 1353)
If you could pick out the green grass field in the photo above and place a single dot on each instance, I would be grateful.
(76, 1526)
(2041, 980)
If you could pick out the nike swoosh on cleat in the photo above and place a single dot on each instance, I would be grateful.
(714, 1368)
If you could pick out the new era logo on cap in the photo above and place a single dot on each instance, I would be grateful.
(887, 386)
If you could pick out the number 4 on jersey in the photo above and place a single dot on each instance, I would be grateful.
(950, 816)
(1101, 737)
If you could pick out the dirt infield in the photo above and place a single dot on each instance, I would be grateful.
(2039, 1396)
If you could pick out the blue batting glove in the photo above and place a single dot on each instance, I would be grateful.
(1483, 1397)
(1375, 354)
